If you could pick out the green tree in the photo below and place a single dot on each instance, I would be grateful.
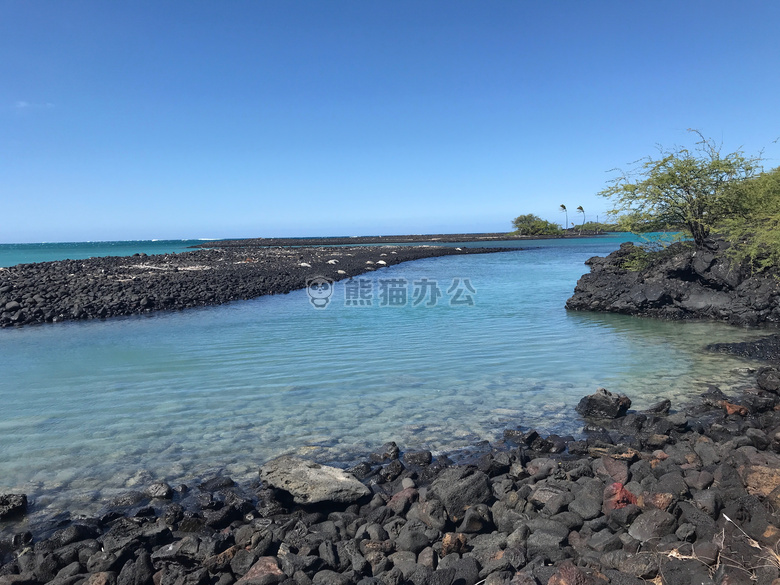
(566, 211)
(582, 211)
(533, 225)
(689, 190)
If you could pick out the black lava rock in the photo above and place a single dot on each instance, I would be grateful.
(603, 404)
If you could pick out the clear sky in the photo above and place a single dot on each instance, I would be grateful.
(186, 119)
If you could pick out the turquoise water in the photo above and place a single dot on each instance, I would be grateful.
(11, 254)
(95, 408)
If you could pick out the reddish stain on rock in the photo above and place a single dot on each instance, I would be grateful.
(616, 496)
(264, 566)
(401, 501)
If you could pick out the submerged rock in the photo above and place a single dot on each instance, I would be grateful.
(766, 349)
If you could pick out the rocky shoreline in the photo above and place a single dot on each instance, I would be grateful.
(682, 283)
(99, 288)
(661, 496)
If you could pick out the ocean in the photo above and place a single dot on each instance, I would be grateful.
(460, 349)
(11, 254)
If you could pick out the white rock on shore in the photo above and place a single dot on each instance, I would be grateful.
(311, 483)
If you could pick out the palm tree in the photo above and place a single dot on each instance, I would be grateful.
(582, 211)
(566, 211)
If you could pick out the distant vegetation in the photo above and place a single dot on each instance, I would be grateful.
(601, 227)
(533, 225)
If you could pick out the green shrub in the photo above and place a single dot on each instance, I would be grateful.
(638, 259)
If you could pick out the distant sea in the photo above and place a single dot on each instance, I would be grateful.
(92, 409)
(11, 254)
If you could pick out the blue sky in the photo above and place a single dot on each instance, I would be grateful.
(136, 120)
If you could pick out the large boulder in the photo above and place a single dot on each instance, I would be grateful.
(12, 505)
(761, 474)
(603, 404)
(769, 378)
(311, 483)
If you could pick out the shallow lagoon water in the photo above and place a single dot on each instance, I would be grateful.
(95, 408)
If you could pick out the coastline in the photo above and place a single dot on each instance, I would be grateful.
(104, 287)
(694, 480)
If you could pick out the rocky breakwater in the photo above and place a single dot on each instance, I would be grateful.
(679, 283)
(657, 496)
(99, 288)
(352, 241)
